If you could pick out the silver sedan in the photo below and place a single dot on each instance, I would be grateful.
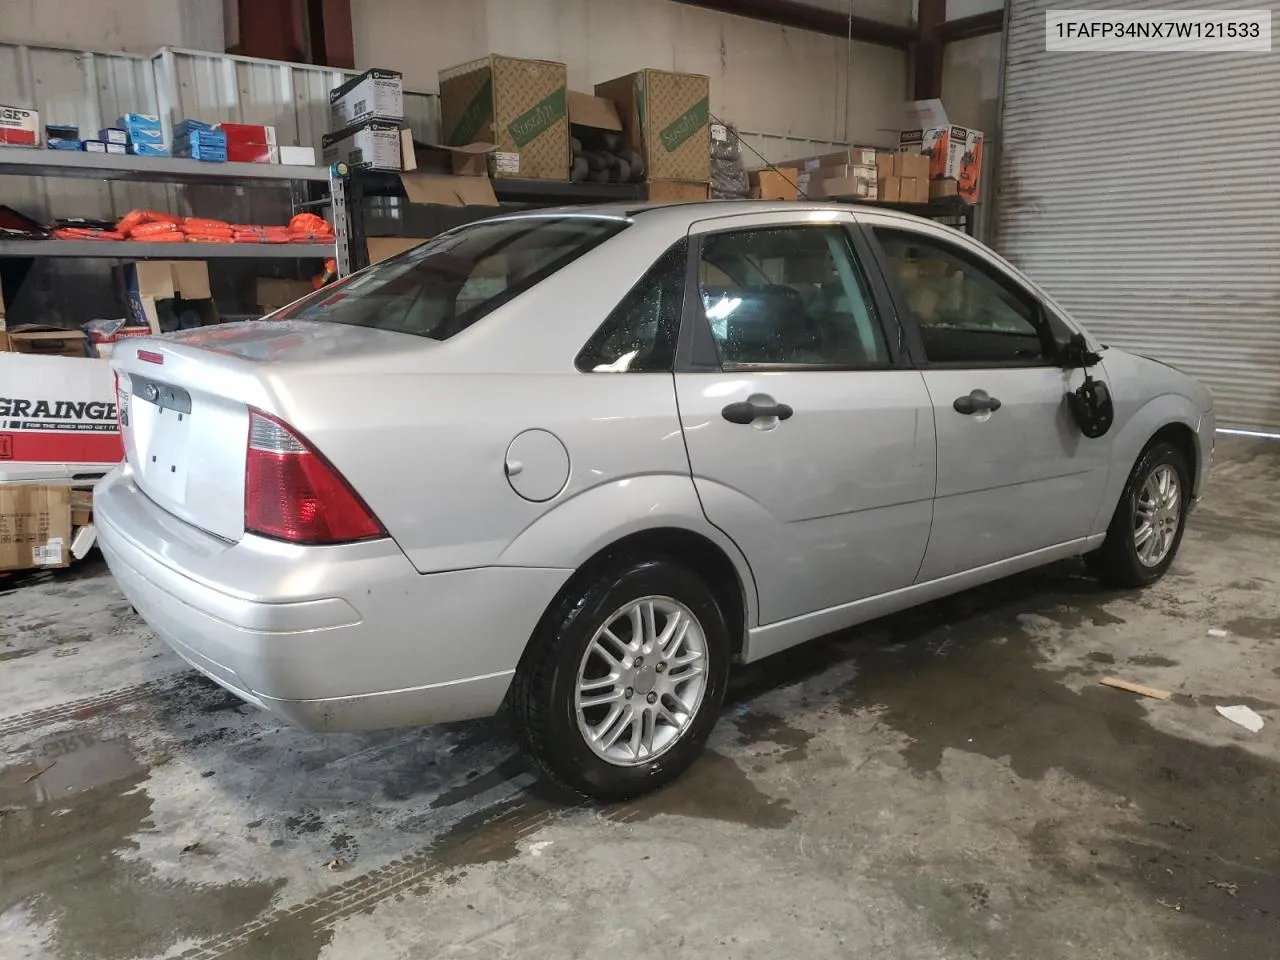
(582, 461)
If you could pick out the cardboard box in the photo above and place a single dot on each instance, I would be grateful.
(903, 177)
(859, 183)
(777, 184)
(676, 191)
(81, 507)
(148, 282)
(298, 156)
(35, 526)
(250, 142)
(383, 248)
(599, 113)
(954, 151)
(448, 190)
(114, 135)
(273, 293)
(666, 119)
(374, 145)
(57, 417)
(42, 339)
(468, 160)
(19, 127)
(943, 189)
(374, 95)
(520, 106)
(119, 149)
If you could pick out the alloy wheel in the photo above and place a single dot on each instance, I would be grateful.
(641, 681)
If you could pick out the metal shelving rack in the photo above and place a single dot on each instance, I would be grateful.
(354, 225)
(36, 162)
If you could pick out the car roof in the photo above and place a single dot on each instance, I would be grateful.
(682, 214)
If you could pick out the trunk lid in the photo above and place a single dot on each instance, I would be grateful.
(184, 402)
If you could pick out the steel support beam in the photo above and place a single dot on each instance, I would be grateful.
(928, 47)
(801, 16)
(966, 28)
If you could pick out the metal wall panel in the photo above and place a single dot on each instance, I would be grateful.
(761, 149)
(1136, 188)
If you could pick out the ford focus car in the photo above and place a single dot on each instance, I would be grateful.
(580, 462)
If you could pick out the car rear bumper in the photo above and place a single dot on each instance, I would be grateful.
(330, 638)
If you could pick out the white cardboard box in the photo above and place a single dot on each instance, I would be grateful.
(372, 146)
(57, 417)
(374, 95)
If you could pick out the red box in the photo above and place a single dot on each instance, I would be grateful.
(19, 127)
(248, 133)
(252, 153)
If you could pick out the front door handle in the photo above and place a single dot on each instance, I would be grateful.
(745, 411)
(979, 401)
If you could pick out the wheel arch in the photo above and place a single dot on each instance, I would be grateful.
(658, 513)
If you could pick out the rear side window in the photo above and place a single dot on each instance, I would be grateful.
(445, 285)
(639, 336)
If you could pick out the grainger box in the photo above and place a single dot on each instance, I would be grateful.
(666, 118)
(520, 106)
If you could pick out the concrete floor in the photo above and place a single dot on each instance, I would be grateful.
(950, 783)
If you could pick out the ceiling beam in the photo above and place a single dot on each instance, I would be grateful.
(802, 16)
(966, 28)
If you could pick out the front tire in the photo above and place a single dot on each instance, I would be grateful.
(1146, 529)
(623, 680)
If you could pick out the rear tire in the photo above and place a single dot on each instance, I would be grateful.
(586, 663)
(1146, 529)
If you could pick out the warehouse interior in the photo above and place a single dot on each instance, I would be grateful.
(1045, 765)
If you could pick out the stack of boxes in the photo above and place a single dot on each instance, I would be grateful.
(114, 140)
(365, 115)
(146, 138)
(199, 141)
(903, 177)
(250, 142)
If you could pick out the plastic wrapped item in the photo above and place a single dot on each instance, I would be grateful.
(728, 178)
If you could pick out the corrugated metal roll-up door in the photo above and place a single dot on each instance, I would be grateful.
(1142, 191)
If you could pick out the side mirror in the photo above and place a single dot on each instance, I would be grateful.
(1075, 354)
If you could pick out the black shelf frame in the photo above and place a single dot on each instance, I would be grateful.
(512, 194)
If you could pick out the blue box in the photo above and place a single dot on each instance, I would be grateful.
(63, 143)
(207, 145)
(139, 120)
(61, 131)
(93, 146)
(148, 149)
(113, 135)
(189, 126)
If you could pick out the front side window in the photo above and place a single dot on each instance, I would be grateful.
(447, 284)
(789, 296)
(964, 313)
(639, 336)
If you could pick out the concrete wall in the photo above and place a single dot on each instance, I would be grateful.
(763, 77)
(134, 26)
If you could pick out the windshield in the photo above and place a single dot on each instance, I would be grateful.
(449, 283)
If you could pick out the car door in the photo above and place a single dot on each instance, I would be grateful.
(809, 437)
(1015, 474)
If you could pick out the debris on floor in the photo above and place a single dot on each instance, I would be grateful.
(1145, 691)
(336, 864)
(45, 769)
(1216, 632)
(1243, 716)
(1229, 887)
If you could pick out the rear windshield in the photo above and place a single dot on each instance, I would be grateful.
(449, 283)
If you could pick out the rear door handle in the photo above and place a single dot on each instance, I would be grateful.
(744, 411)
(978, 401)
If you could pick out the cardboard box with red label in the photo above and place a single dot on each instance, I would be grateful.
(57, 417)
(954, 151)
(19, 127)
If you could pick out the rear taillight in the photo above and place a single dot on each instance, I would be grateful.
(293, 493)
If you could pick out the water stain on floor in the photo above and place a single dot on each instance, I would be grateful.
(68, 813)
(998, 700)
